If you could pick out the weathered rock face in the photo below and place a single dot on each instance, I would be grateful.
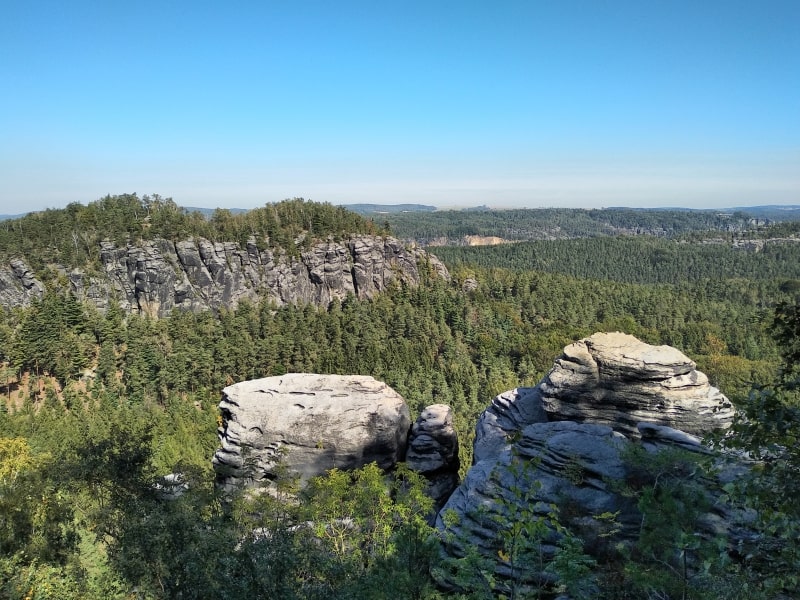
(507, 415)
(158, 276)
(18, 285)
(433, 451)
(308, 424)
(616, 380)
(551, 463)
(567, 443)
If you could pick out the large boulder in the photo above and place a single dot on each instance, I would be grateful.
(572, 443)
(611, 379)
(616, 380)
(307, 424)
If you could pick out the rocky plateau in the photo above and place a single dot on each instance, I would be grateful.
(158, 276)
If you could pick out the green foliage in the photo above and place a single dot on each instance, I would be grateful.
(72, 236)
(35, 515)
(80, 513)
(673, 556)
(786, 329)
(636, 259)
(768, 429)
(374, 532)
(54, 336)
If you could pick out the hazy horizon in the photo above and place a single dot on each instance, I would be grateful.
(523, 104)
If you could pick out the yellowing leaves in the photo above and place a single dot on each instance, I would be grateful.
(15, 458)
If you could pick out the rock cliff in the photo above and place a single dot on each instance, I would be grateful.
(158, 276)
(568, 443)
(18, 285)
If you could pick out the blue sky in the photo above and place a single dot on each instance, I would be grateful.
(509, 103)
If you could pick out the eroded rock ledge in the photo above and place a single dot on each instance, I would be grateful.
(158, 276)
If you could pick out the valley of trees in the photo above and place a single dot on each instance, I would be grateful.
(98, 407)
(451, 226)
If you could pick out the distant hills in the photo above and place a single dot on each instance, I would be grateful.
(773, 212)
(372, 209)
(207, 212)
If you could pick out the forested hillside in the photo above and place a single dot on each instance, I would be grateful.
(98, 405)
(453, 226)
(72, 236)
(641, 259)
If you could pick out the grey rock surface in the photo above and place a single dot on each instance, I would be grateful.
(616, 380)
(566, 443)
(507, 415)
(561, 463)
(660, 437)
(433, 451)
(18, 285)
(158, 276)
(307, 424)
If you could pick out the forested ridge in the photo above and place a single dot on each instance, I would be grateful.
(639, 259)
(99, 406)
(452, 226)
(72, 235)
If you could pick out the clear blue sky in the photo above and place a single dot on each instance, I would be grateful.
(505, 103)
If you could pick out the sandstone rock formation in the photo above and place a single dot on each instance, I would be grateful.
(18, 284)
(308, 424)
(507, 415)
(567, 442)
(611, 379)
(551, 464)
(158, 276)
(433, 451)
(616, 380)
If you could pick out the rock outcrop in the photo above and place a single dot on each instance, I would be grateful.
(616, 380)
(507, 415)
(562, 463)
(433, 451)
(308, 424)
(568, 443)
(18, 284)
(158, 276)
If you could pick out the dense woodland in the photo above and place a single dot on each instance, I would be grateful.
(98, 406)
(451, 226)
